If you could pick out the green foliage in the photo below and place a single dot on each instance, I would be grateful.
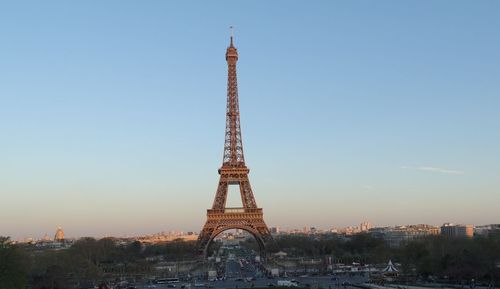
(175, 250)
(455, 259)
(458, 259)
(361, 247)
(14, 264)
(87, 260)
(91, 261)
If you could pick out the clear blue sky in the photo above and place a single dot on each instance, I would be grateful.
(112, 113)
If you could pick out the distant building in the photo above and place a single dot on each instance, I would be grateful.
(365, 226)
(59, 236)
(46, 238)
(166, 237)
(487, 230)
(275, 230)
(348, 230)
(399, 235)
(457, 231)
(334, 230)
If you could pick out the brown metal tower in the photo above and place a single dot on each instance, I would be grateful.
(234, 172)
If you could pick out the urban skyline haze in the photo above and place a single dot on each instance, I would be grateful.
(112, 113)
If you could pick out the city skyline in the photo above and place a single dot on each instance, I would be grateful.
(353, 113)
(363, 227)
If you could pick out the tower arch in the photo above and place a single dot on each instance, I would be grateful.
(248, 229)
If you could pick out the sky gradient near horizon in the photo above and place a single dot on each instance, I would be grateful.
(112, 113)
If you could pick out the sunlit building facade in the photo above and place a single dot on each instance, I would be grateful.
(399, 235)
(59, 236)
(457, 231)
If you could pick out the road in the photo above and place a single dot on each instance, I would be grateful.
(324, 282)
(233, 269)
(240, 271)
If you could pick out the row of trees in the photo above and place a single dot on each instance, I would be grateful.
(360, 247)
(87, 261)
(454, 259)
(14, 264)
(90, 259)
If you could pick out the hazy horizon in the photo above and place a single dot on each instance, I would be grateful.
(112, 114)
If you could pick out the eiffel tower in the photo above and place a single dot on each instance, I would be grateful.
(234, 172)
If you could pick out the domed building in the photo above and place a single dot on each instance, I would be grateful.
(59, 237)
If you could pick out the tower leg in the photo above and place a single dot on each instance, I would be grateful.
(204, 240)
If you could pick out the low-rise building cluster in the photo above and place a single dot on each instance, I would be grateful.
(396, 236)
(166, 237)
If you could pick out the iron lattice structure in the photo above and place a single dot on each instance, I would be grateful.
(234, 172)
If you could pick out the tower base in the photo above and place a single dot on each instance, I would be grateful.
(247, 219)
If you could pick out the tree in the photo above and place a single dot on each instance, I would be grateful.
(14, 264)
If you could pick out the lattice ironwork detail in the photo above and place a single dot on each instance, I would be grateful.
(234, 172)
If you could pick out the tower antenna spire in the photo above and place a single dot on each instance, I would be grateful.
(231, 29)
